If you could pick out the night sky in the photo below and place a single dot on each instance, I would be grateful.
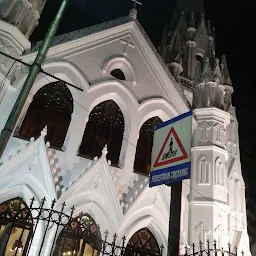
(235, 34)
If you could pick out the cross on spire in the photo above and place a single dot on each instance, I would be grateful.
(133, 11)
(135, 3)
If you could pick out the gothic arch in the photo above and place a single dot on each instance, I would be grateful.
(26, 193)
(203, 170)
(52, 106)
(70, 73)
(75, 236)
(20, 191)
(144, 146)
(127, 102)
(92, 203)
(122, 64)
(219, 172)
(64, 70)
(156, 107)
(116, 91)
(146, 217)
(106, 125)
(22, 226)
(143, 239)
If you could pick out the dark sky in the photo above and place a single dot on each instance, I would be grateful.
(233, 21)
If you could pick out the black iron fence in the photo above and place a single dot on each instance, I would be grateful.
(209, 249)
(50, 232)
(43, 231)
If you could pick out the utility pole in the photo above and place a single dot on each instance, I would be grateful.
(34, 70)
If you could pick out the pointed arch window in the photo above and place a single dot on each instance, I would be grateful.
(203, 175)
(16, 224)
(219, 172)
(105, 126)
(144, 240)
(79, 237)
(144, 145)
(52, 105)
(118, 73)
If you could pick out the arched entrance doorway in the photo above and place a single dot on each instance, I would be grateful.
(143, 243)
(81, 237)
(16, 227)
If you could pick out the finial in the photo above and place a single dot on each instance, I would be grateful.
(209, 28)
(44, 131)
(133, 11)
(192, 20)
(105, 150)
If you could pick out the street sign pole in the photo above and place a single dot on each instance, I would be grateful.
(174, 219)
(171, 163)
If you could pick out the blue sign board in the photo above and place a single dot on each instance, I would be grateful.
(171, 152)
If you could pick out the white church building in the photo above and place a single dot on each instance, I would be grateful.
(91, 148)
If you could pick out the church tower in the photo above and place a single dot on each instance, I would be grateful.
(217, 189)
(18, 18)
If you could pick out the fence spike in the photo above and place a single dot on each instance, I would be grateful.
(72, 211)
(161, 249)
(186, 250)
(215, 244)
(42, 202)
(124, 239)
(106, 235)
(53, 203)
(32, 202)
(208, 246)
(201, 245)
(62, 207)
(114, 238)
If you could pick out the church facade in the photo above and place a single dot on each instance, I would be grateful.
(90, 146)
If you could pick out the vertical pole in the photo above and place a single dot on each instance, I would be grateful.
(174, 220)
(34, 70)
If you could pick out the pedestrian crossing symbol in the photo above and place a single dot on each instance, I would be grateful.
(171, 153)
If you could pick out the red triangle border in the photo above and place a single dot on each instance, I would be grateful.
(176, 159)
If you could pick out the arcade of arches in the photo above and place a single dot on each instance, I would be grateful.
(52, 105)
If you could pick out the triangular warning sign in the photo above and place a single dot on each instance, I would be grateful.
(171, 152)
